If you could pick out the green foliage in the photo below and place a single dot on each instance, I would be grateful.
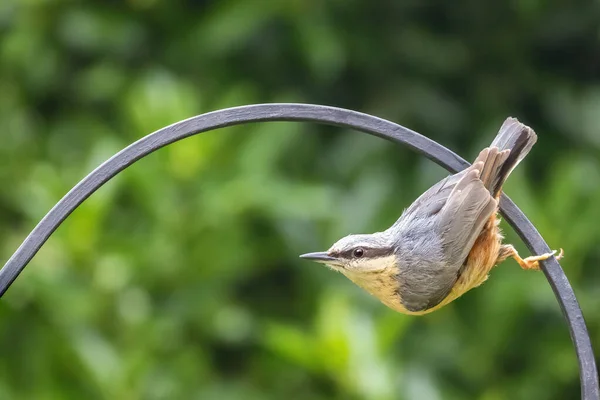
(180, 279)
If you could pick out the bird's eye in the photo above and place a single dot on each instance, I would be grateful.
(358, 252)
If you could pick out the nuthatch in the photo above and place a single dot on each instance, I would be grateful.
(446, 242)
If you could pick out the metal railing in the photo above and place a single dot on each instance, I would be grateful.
(326, 115)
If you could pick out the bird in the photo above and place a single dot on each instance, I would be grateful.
(446, 242)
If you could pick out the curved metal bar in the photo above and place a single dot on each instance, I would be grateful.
(333, 116)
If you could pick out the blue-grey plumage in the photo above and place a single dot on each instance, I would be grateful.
(446, 242)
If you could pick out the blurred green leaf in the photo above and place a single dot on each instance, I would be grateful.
(179, 279)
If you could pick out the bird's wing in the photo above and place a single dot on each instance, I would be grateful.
(463, 216)
(438, 231)
(432, 201)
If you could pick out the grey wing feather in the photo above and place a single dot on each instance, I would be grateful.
(468, 208)
(434, 199)
(438, 232)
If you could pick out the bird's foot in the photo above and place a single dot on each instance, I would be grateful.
(532, 262)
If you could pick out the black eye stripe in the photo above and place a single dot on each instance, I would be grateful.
(367, 252)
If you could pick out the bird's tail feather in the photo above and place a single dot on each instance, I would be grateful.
(511, 145)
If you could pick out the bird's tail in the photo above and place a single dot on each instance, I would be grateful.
(511, 145)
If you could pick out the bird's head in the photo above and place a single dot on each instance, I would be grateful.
(355, 254)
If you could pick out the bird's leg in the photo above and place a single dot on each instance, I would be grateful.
(531, 262)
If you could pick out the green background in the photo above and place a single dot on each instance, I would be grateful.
(180, 278)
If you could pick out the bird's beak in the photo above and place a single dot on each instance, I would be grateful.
(320, 257)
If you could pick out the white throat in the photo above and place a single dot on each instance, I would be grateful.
(360, 266)
(376, 276)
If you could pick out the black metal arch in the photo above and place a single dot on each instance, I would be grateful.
(332, 116)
